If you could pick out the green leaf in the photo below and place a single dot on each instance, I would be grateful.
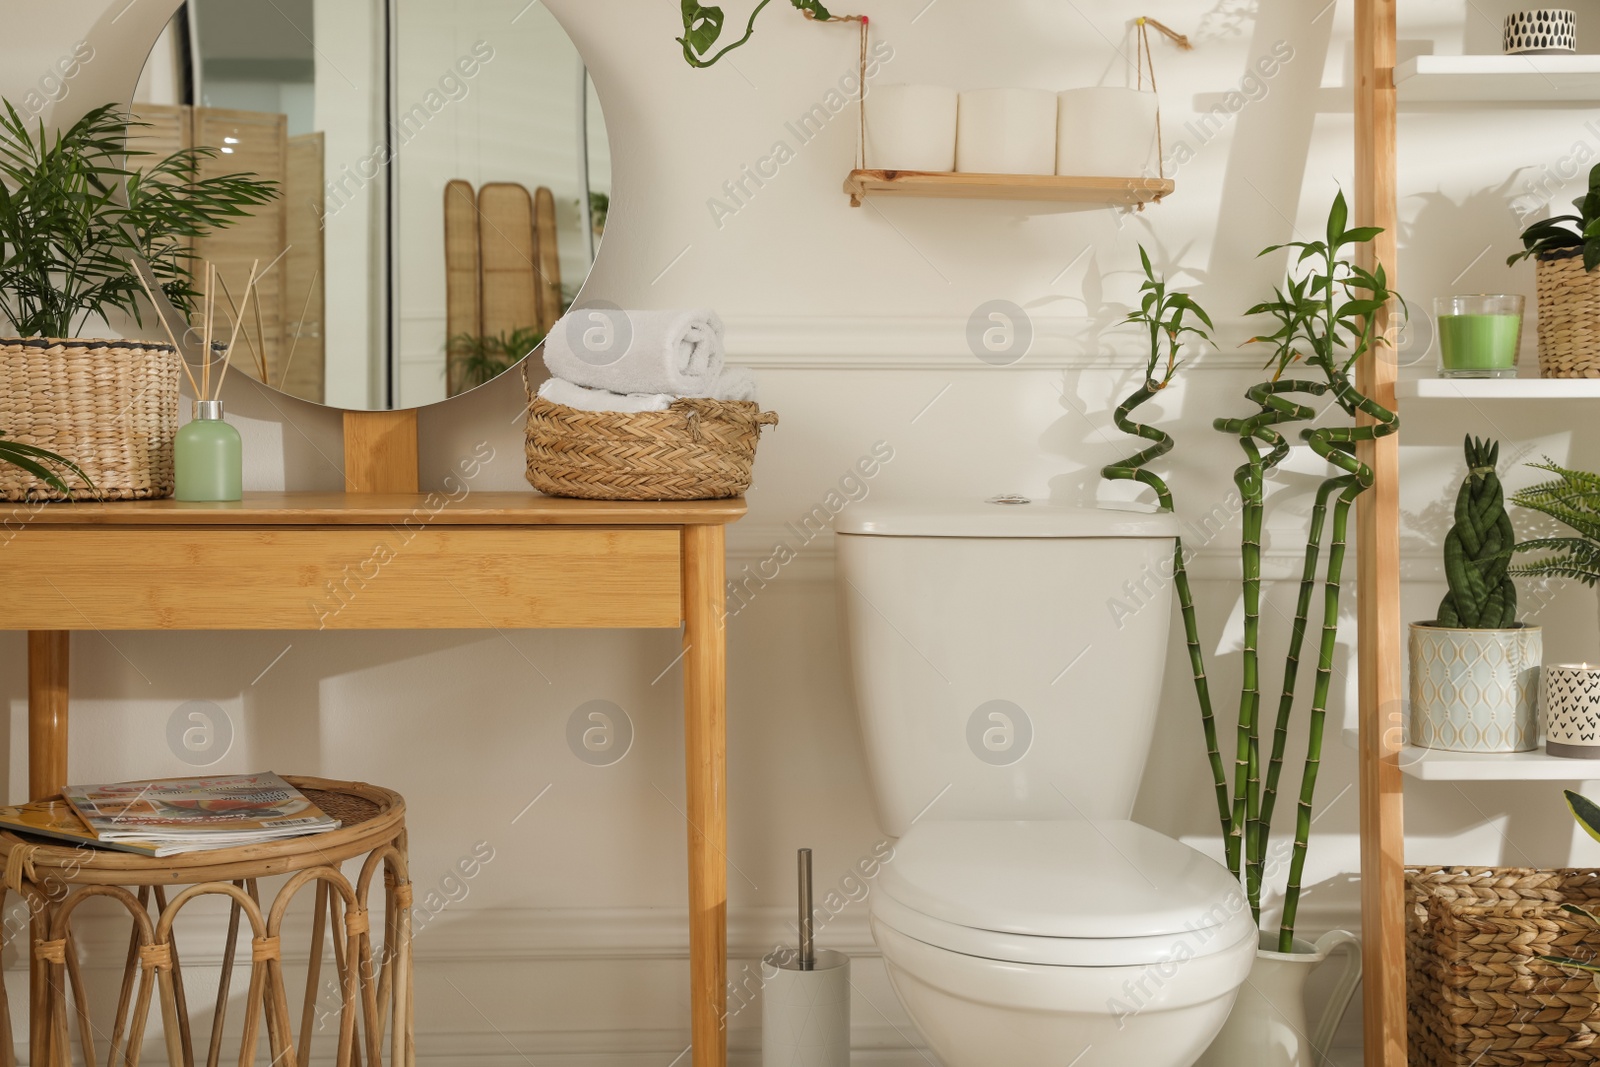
(817, 10)
(1579, 965)
(701, 26)
(1586, 811)
(1337, 217)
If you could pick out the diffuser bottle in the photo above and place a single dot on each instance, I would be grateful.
(207, 456)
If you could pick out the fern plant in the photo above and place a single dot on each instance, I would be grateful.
(1573, 499)
(73, 217)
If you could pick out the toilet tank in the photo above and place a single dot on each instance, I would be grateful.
(1006, 659)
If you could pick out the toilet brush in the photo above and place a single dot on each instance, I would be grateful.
(805, 999)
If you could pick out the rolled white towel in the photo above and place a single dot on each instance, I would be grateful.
(675, 352)
(735, 383)
(559, 391)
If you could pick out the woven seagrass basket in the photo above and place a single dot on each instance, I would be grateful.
(111, 407)
(698, 449)
(1569, 316)
(1477, 993)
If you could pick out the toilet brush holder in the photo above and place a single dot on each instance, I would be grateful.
(805, 996)
(805, 1015)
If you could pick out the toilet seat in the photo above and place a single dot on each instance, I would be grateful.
(1062, 893)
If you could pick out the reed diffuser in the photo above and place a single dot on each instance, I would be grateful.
(208, 455)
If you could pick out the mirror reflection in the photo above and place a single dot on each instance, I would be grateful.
(445, 179)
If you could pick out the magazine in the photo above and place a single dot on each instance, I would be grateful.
(216, 812)
(55, 819)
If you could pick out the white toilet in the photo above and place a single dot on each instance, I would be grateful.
(1007, 661)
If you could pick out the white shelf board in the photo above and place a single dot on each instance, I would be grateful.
(1436, 765)
(1498, 389)
(1514, 79)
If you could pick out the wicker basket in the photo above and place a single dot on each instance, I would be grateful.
(1476, 991)
(698, 449)
(111, 407)
(1569, 316)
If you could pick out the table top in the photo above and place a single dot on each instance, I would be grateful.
(439, 508)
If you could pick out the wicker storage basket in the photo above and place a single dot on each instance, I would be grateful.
(109, 406)
(1569, 316)
(698, 449)
(1476, 991)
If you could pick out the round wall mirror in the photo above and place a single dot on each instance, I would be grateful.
(443, 176)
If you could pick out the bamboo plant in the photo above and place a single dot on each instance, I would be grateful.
(41, 463)
(1326, 316)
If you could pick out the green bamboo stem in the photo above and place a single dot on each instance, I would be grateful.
(1241, 845)
(1129, 469)
(1333, 445)
(1291, 667)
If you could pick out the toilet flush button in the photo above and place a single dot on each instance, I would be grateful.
(1008, 498)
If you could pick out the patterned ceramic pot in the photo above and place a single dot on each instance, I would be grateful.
(1541, 31)
(1475, 690)
(1572, 710)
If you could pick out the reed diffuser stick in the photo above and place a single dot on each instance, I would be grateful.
(207, 304)
(238, 320)
(298, 327)
(165, 325)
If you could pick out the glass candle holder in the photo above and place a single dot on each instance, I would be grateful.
(1478, 335)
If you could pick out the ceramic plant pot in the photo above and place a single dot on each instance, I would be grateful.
(1572, 710)
(1475, 690)
(1268, 1026)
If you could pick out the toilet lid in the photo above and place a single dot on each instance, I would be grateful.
(1064, 951)
(1092, 880)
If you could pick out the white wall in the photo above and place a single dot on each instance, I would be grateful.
(854, 320)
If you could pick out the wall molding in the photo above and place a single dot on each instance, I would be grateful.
(928, 342)
(752, 544)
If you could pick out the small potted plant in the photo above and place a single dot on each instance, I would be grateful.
(1475, 669)
(1565, 251)
(74, 221)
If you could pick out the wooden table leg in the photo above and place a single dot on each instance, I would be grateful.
(48, 656)
(705, 747)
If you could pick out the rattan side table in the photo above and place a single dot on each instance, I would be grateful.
(374, 988)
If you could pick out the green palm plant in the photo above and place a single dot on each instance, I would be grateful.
(478, 358)
(1326, 316)
(1572, 498)
(73, 217)
(41, 463)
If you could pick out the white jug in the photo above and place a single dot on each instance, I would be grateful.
(1268, 1025)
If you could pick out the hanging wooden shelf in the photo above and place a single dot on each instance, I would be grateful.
(1050, 187)
(1438, 765)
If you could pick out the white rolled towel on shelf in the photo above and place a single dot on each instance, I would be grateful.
(733, 384)
(679, 352)
(560, 391)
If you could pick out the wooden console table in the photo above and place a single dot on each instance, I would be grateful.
(374, 561)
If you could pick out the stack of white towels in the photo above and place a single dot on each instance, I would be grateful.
(602, 360)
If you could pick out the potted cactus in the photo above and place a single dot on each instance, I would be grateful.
(1475, 669)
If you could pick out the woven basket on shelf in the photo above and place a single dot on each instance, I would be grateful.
(111, 407)
(1477, 993)
(698, 449)
(1569, 316)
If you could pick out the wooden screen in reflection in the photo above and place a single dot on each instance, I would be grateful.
(283, 346)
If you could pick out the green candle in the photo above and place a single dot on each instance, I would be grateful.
(1479, 342)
